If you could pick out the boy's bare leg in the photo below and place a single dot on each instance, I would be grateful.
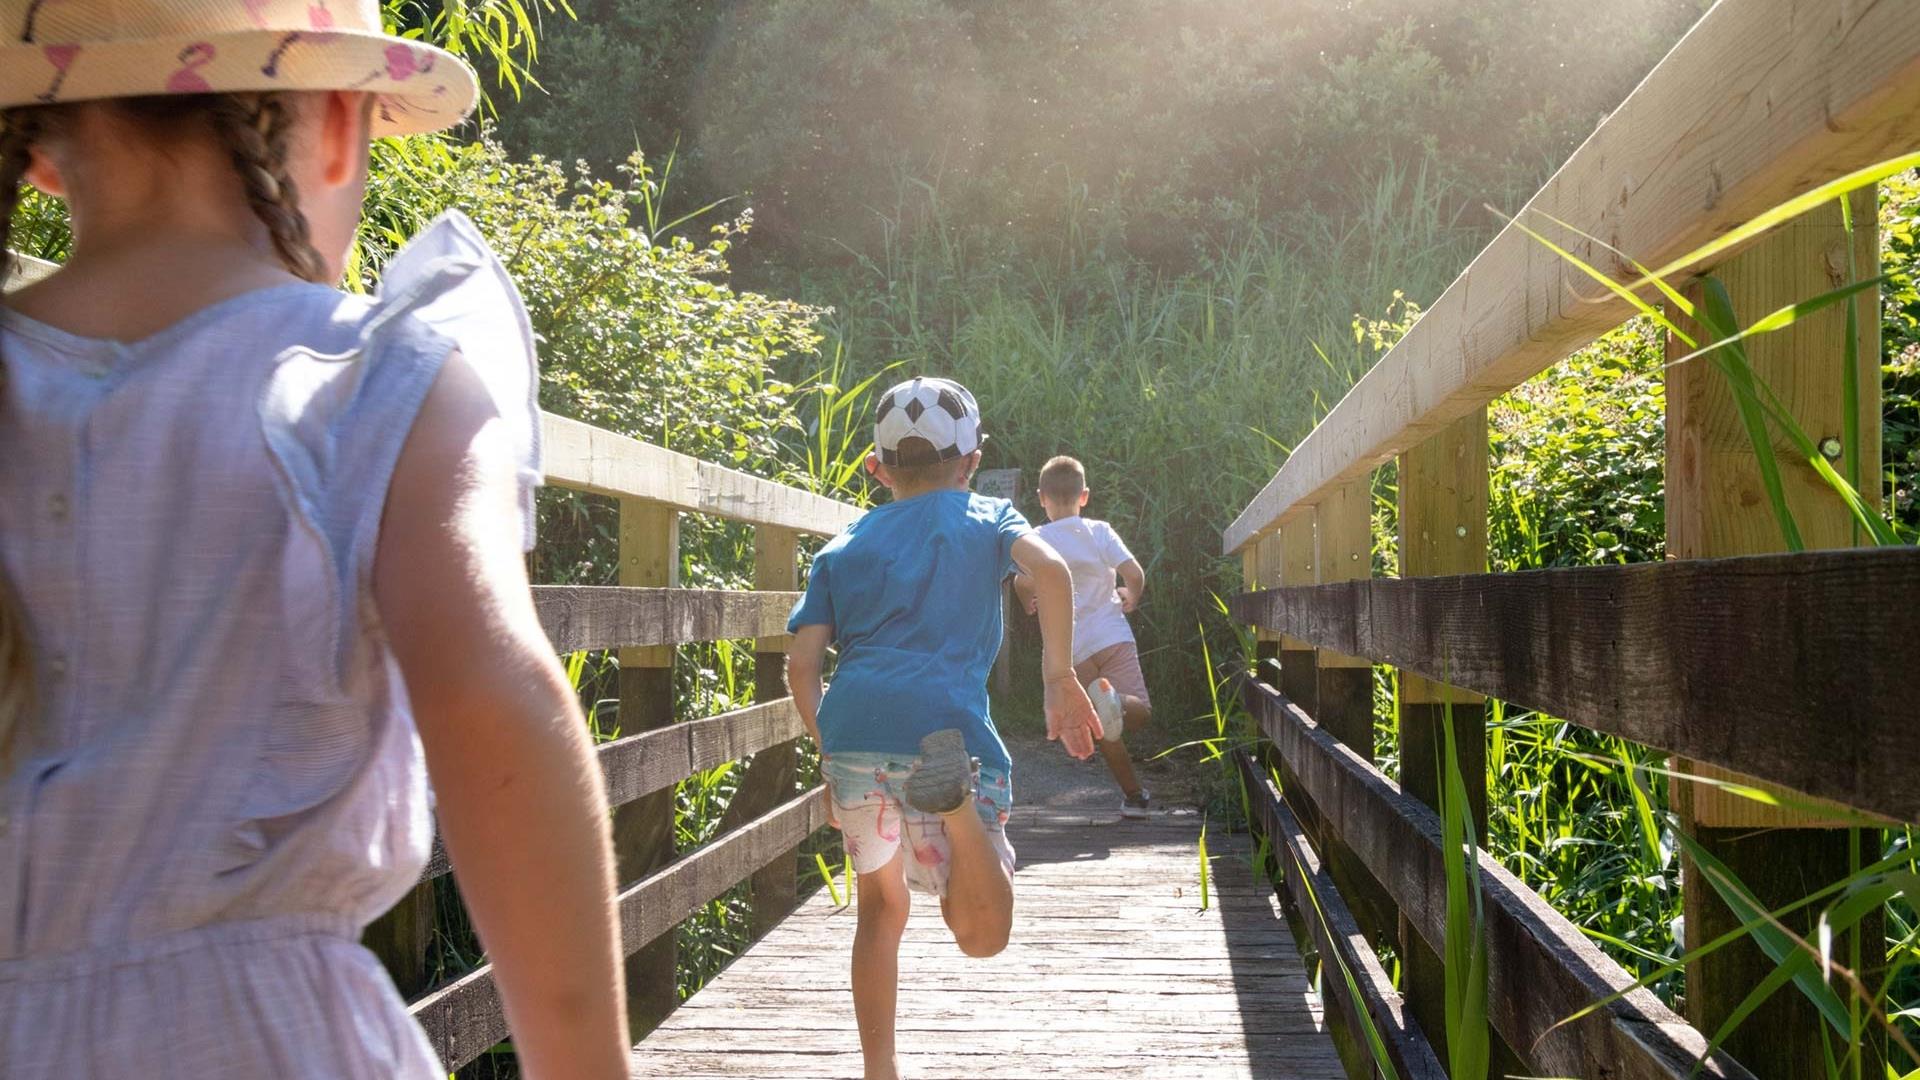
(979, 903)
(1121, 764)
(882, 917)
(1134, 714)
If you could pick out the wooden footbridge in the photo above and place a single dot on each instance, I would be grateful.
(1793, 669)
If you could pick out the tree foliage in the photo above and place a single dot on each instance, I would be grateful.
(1170, 117)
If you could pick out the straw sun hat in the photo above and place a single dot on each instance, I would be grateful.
(83, 50)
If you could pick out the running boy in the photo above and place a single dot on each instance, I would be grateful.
(1104, 654)
(918, 775)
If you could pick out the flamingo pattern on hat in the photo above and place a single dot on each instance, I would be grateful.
(56, 51)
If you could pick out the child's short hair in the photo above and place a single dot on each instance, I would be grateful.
(920, 463)
(1062, 479)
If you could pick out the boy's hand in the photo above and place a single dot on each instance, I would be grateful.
(1128, 600)
(1070, 716)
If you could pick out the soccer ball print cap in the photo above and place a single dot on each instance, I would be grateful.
(939, 411)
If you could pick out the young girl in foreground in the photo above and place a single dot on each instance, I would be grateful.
(261, 544)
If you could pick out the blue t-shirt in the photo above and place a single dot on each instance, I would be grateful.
(912, 592)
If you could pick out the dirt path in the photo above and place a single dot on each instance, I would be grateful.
(1043, 775)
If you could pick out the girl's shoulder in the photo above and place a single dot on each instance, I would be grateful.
(339, 403)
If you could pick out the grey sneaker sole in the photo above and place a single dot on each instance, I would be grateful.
(944, 779)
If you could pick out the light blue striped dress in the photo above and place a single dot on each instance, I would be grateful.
(223, 784)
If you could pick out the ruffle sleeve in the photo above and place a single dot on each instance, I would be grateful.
(336, 423)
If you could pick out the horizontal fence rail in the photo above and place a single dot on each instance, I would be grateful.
(1761, 101)
(1794, 669)
(1540, 968)
(1336, 934)
(609, 616)
(26, 270)
(587, 458)
(464, 1019)
(657, 760)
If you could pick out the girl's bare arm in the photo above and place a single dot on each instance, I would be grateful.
(521, 804)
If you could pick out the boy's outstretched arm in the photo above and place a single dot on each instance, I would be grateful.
(806, 657)
(520, 798)
(1070, 716)
(1133, 582)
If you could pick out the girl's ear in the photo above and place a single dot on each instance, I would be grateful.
(345, 130)
(43, 174)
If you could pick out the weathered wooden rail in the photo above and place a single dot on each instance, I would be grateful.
(1793, 670)
(645, 617)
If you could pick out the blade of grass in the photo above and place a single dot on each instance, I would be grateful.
(1716, 313)
(826, 875)
(1767, 934)
(1786, 211)
(1206, 897)
(1468, 1050)
(1376, 1045)
(1787, 316)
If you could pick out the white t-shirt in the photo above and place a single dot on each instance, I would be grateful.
(1093, 551)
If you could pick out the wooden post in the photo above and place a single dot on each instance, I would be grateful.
(1260, 566)
(1299, 675)
(1717, 506)
(1343, 551)
(1443, 530)
(643, 830)
(770, 780)
(401, 937)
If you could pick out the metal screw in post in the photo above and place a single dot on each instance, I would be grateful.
(1830, 448)
(1460, 531)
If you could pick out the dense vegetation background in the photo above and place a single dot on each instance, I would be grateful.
(1140, 230)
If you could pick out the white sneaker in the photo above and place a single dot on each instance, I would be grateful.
(1106, 705)
(1137, 806)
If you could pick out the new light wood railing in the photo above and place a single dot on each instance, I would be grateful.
(1791, 669)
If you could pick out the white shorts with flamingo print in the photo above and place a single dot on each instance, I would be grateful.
(871, 811)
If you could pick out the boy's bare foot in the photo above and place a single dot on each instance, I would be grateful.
(944, 781)
(1106, 705)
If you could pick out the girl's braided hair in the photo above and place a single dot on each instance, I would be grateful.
(253, 128)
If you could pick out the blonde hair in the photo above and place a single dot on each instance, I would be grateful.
(253, 128)
(1062, 479)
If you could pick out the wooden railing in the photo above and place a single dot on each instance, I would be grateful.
(1793, 670)
(645, 617)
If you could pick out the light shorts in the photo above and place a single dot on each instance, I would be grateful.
(870, 809)
(1118, 664)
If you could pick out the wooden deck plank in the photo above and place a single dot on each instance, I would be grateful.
(1114, 970)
